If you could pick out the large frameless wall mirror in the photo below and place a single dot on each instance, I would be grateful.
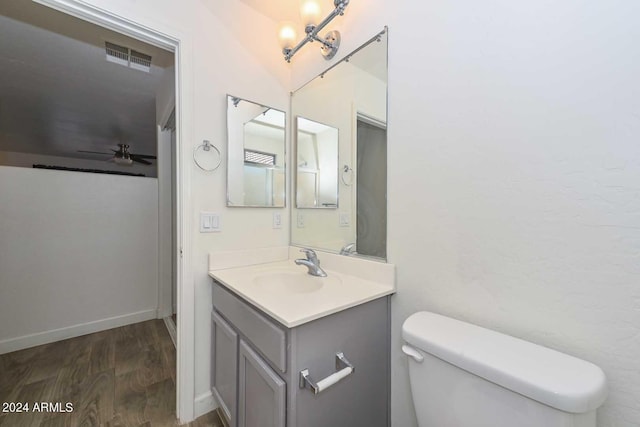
(256, 154)
(317, 177)
(350, 100)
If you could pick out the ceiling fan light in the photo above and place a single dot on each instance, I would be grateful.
(123, 161)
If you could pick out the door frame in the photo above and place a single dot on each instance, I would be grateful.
(181, 45)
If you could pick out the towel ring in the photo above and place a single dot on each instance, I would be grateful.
(347, 172)
(204, 148)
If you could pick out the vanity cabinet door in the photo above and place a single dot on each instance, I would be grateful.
(224, 369)
(262, 392)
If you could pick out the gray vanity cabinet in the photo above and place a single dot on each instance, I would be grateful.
(270, 358)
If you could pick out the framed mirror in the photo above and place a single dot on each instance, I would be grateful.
(256, 167)
(317, 165)
(351, 99)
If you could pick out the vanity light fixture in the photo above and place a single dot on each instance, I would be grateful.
(310, 13)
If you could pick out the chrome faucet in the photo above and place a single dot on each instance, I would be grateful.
(348, 249)
(311, 262)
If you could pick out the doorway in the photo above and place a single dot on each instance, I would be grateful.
(180, 263)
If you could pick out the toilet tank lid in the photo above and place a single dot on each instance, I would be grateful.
(556, 379)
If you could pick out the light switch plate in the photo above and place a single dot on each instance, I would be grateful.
(209, 222)
(300, 220)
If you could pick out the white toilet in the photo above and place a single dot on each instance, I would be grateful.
(463, 375)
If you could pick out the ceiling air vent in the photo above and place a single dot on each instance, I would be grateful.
(127, 57)
(140, 61)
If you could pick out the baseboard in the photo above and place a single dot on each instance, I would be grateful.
(171, 328)
(46, 337)
(222, 417)
(204, 404)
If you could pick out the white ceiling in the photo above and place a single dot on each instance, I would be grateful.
(58, 94)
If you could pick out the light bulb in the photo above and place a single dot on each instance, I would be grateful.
(287, 35)
(310, 12)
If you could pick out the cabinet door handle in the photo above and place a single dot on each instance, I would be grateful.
(343, 369)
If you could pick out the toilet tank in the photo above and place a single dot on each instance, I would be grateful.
(463, 375)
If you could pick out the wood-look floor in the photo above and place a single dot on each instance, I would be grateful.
(120, 377)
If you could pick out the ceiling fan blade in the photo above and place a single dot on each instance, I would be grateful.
(94, 152)
(144, 156)
(136, 159)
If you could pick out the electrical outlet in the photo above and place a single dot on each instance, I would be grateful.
(277, 220)
(300, 220)
(345, 218)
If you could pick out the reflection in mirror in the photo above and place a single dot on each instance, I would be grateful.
(317, 178)
(256, 154)
(350, 97)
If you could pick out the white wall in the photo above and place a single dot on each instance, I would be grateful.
(78, 253)
(513, 175)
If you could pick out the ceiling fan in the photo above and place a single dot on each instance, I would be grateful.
(122, 156)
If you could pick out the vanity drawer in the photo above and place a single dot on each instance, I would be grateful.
(268, 338)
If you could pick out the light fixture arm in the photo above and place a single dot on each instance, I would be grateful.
(331, 44)
(323, 41)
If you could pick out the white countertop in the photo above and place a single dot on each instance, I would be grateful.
(287, 293)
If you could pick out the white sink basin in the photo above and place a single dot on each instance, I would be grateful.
(289, 282)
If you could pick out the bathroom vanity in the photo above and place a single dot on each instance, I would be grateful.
(273, 344)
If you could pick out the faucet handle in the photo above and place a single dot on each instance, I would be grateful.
(311, 254)
(347, 249)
